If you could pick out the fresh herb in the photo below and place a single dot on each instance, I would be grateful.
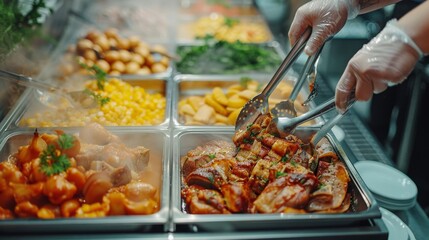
(99, 74)
(244, 81)
(280, 174)
(18, 25)
(97, 97)
(321, 185)
(249, 126)
(52, 163)
(65, 141)
(246, 140)
(230, 22)
(293, 163)
(212, 156)
(285, 158)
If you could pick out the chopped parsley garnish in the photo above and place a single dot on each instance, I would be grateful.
(280, 174)
(244, 81)
(230, 22)
(293, 163)
(285, 158)
(98, 73)
(212, 156)
(65, 141)
(97, 97)
(52, 161)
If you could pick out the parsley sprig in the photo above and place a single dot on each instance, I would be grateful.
(97, 97)
(98, 73)
(52, 160)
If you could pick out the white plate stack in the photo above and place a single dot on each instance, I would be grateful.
(393, 189)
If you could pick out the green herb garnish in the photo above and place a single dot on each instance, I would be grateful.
(20, 21)
(97, 97)
(52, 161)
(244, 81)
(230, 22)
(280, 174)
(212, 156)
(285, 158)
(99, 74)
(65, 141)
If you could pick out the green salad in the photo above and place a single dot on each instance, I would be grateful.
(222, 57)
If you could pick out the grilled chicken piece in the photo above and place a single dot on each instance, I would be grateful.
(213, 175)
(94, 133)
(333, 179)
(260, 176)
(290, 191)
(202, 155)
(236, 197)
(204, 201)
(326, 151)
(114, 154)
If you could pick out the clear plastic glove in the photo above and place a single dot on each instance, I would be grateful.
(385, 61)
(325, 17)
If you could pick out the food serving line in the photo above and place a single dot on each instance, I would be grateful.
(175, 139)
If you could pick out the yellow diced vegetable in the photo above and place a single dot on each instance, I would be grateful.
(221, 118)
(187, 109)
(219, 96)
(209, 100)
(247, 94)
(236, 102)
(205, 114)
(196, 102)
(232, 118)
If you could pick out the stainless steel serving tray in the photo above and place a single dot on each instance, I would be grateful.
(273, 45)
(185, 85)
(363, 207)
(78, 28)
(28, 104)
(155, 140)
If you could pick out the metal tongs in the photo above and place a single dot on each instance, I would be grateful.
(287, 125)
(259, 104)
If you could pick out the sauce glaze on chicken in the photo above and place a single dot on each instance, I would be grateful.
(262, 173)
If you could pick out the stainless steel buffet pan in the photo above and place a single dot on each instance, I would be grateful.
(30, 104)
(363, 206)
(155, 140)
(199, 85)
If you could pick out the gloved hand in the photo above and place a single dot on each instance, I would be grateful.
(325, 17)
(386, 60)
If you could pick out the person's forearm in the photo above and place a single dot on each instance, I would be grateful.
(371, 5)
(416, 24)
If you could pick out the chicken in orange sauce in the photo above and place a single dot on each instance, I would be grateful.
(61, 175)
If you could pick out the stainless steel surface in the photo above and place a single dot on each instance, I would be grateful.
(50, 93)
(287, 107)
(29, 103)
(199, 85)
(287, 125)
(259, 104)
(363, 207)
(154, 139)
